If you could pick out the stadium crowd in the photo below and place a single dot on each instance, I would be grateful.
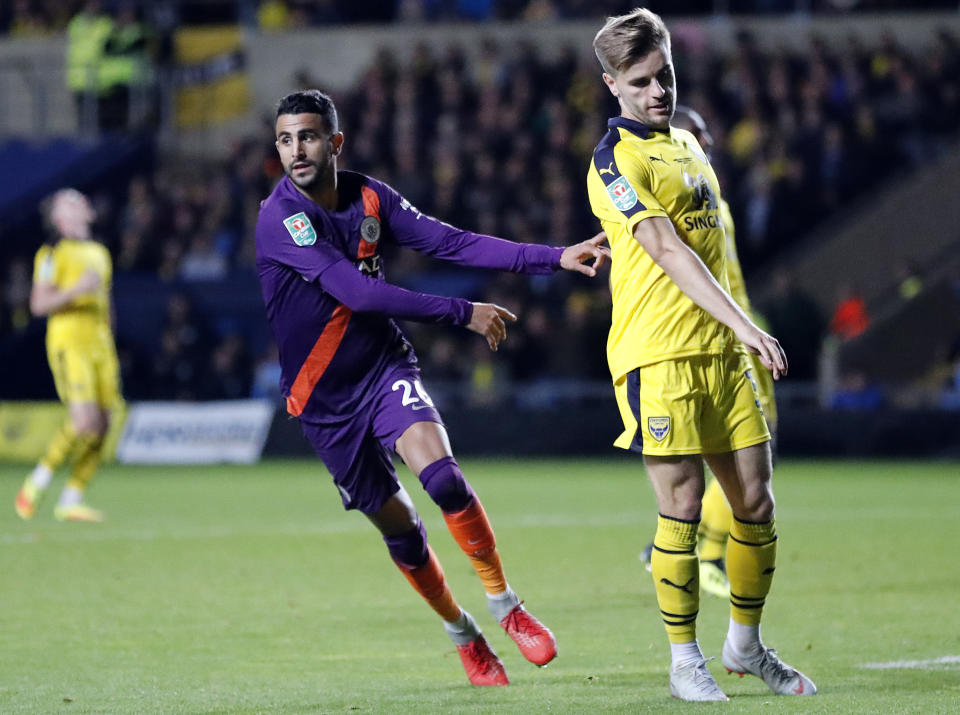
(33, 18)
(501, 145)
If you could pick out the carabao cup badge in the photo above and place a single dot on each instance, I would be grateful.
(622, 194)
(300, 229)
(370, 229)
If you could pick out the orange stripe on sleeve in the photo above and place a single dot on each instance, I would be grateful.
(317, 361)
(371, 207)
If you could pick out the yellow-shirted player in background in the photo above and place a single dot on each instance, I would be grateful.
(71, 285)
(716, 516)
(677, 350)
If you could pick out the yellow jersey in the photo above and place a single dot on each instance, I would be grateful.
(86, 319)
(637, 173)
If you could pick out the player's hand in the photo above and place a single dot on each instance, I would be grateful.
(768, 348)
(87, 283)
(488, 320)
(573, 257)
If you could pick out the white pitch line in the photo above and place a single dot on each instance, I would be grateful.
(921, 664)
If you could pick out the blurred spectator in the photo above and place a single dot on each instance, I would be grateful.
(855, 392)
(273, 16)
(850, 317)
(27, 21)
(110, 62)
(126, 69)
(228, 372)
(266, 375)
(910, 284)
(16, 297)
(202, 261)
(950, 394)
(87, 36)
(174, 373)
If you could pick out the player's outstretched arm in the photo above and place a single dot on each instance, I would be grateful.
(489, 320)
(684, 267)
(575, 257)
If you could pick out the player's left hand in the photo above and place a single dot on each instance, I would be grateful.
(574, 257)
(490, 321)
(768, 348)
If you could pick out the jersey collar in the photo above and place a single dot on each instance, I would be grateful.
(634, 127)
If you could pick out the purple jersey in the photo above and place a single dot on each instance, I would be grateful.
(329, 307)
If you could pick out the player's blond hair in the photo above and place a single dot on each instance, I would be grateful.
(626, 39)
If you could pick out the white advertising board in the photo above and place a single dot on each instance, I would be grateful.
(195, 433)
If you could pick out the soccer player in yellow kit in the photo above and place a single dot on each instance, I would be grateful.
(71, 285)
(677, 351)
(716, 516)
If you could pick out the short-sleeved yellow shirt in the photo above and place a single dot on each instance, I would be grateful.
(638, 173)
(80, 346)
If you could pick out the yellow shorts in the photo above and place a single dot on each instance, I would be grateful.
(86, 374)
(703, 404)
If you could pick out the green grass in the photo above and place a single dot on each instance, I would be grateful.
(248, 589)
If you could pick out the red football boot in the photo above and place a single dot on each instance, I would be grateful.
(482, 664)
(534, 639)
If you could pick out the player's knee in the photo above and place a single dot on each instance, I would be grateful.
(445, 484)
(90, 422)
(409, 549)
(758, 506)
(683, 505)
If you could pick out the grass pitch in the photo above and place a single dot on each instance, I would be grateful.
(249, 590)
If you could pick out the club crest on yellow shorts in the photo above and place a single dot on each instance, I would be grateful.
(659, 427)
(709, 399)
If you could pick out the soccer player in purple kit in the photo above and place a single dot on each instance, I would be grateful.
(351, 377)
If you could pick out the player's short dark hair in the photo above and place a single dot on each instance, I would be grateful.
(626, 39)
(311, 101)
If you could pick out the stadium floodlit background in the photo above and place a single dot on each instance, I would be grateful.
(837, 128)
(837, 147)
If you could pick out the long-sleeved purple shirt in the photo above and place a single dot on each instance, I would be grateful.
(329, 307)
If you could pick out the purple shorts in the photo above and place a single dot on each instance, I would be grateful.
(358, 451)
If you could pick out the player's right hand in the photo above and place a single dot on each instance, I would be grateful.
(87, 283)
(488, 320)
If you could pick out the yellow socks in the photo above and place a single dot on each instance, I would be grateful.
(87, 460)
(676, 577)
(751, 559)
(60, 447)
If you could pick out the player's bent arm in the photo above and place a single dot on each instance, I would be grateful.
(683, 266)
(363, 294)
(46, 298)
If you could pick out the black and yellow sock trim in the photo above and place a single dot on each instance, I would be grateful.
(679, 619)
(676, 576)
(751, 561)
